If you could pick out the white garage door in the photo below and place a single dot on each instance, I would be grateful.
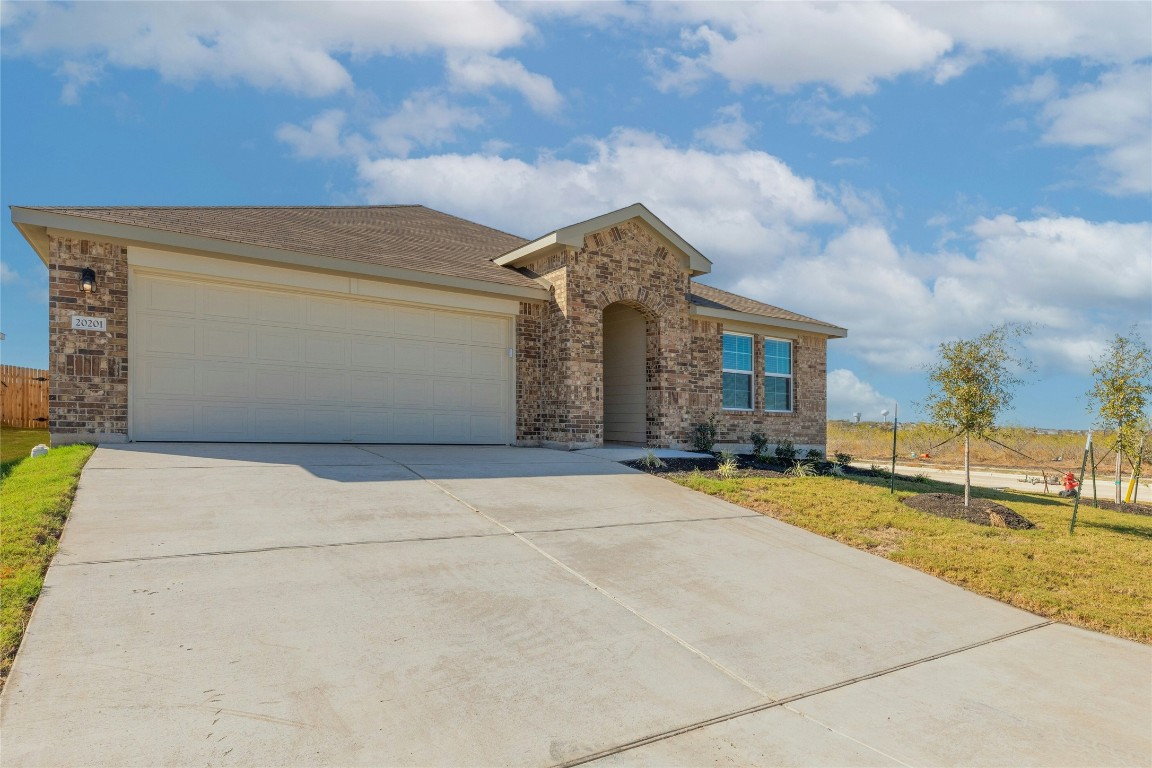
(229, 362)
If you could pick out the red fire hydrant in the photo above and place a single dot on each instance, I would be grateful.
(1070, 485)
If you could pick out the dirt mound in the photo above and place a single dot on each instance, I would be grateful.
(1132, 508)
(982, 511)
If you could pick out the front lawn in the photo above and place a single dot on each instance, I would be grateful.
(1100, 578)
(36, 495)
(17, 443)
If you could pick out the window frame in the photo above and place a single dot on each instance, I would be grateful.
(750, 372)
(790, 377)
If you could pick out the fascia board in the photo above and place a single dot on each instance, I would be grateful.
(146, 237)
(831, 331)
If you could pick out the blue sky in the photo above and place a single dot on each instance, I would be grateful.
(914, 172)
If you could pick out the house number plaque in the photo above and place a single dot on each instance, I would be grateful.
(81, 323)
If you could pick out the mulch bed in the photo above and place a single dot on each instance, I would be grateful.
(1130, 508)
(981, 512)
(749, 466)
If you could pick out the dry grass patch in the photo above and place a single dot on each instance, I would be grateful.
(1100, 578)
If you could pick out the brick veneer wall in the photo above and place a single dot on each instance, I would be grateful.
(88, 370)
(561, 354)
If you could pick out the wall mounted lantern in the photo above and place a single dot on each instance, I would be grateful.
(88, 280)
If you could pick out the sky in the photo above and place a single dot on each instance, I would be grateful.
(916, 172)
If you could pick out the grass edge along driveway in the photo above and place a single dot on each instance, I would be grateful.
(1100, 578)
(36, 498)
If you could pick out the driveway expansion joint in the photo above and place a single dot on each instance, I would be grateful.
(784, 702)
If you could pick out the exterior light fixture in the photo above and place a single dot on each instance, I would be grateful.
(88, 280)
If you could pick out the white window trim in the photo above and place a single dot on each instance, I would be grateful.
(790, 376)
(750, 373)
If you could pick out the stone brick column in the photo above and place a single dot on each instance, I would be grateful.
(87, 370)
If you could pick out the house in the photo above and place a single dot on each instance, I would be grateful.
(403, 324)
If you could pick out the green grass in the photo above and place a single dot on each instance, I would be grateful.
(1100, 578)
(35, 496)
(16, 444)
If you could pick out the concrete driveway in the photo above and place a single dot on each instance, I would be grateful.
(414, 606)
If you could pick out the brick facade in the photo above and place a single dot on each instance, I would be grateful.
(561, 351)
(87, 370)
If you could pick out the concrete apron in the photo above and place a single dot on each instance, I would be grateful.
(407, 605)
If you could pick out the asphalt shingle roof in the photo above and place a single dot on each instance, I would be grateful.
(403, 236)
(707, 296)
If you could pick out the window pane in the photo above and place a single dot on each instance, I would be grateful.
(777, 393)
(777, 357)
(737, 352)
(738, 390)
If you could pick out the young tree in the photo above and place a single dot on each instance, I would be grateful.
(971, 384)
(1119, 395)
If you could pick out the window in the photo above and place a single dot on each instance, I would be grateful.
(737, 372)
(777, 375)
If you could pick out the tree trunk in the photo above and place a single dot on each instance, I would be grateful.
(1119, 475)
(967, 473)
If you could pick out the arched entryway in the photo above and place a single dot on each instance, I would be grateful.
(625, 375)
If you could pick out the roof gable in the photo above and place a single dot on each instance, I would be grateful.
(574, 234)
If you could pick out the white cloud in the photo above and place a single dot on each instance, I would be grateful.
(287, 46)
(322, 138)
(8, 275)
(76, 75)
(837, 125)
(1113, 115)
(1112, 32)
(1073, 278)
(729, 131)
(479, 72)
(847, 395)
(425, 119)
(746, 206)
(782, 45)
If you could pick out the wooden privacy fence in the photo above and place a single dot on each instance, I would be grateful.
(23, 397)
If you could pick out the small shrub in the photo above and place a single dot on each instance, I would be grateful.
(704, 435)
(842, 458)
(727, 467)
(814, 454)
(759, 445)
(920, 478)
(801, 469)
(837, 470)
(650, 460)
(878, 471)
(785, 451)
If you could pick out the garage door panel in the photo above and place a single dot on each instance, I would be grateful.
(372, 353)
(225, 341)
(370, 318)
(411, 357)
(169, 377)
(412, 322)
(278, 384)
(327, 349)
(370, 390)
(330, 387)
(169, 337)
(224, 381)
(221, 422)
(490, 331)
(326, 313)
(225, 302)
(488, 363)
(277, 345)
(412, 392)
(170, 297)
(216, 361)
(171, 420)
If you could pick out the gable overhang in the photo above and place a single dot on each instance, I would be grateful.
(731, 315)
(37, 226)
(573, 237)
